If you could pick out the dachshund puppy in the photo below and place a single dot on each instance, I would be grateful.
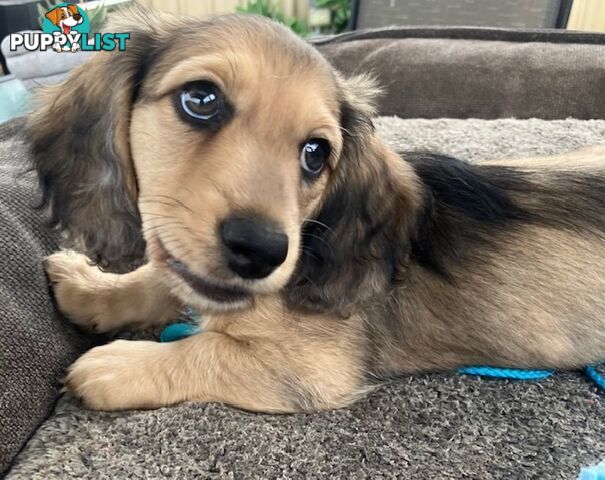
(248, 173)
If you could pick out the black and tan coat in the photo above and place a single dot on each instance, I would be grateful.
(315, 281)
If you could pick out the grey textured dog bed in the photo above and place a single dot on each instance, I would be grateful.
(35, 344)
(431, 426)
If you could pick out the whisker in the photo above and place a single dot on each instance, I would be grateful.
(158, 202)
(187, 189)
(309, 280)
(322, 240)
(162, 224)
(175, 240)
(154, 229)
(311, 220)
(307, 251)
(176, 200)
(159, 215)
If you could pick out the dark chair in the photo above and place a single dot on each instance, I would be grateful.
(16, 15)
(477, 13)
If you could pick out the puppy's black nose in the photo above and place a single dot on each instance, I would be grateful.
(77, 17)
(253, 248)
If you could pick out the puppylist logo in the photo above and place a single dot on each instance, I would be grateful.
(66, 29)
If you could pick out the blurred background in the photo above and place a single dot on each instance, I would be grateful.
(308, 17)
(21, 71)
(334, 16)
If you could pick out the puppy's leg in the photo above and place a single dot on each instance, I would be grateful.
(264, 359)
(103, 301)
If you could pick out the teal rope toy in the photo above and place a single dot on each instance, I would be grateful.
(520, 374)
(512, 373)
(594, 472)
(595, 376)
(178, 331)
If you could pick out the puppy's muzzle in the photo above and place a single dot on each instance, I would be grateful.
(253, 248)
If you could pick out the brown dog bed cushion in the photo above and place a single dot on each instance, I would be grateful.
(463, 72)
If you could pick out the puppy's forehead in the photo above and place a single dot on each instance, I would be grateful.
(257, 82)
(241, 53)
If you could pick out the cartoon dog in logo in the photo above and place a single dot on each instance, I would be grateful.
(65, 18)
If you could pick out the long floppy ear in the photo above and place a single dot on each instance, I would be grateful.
(80, 144)
(357, 242)
(54, 15)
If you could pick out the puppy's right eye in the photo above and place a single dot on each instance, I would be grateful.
(313, 157)
(200, 101)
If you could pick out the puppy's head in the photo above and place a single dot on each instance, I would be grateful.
(217, 144)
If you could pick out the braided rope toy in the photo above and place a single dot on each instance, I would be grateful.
(594, 472)
(512, 373)
(520, 374)
(595, 376)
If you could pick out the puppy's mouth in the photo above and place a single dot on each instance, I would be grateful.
(203, 286)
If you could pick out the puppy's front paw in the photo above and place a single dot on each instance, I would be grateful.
(75, 47)
(76, 284)
(122, 375)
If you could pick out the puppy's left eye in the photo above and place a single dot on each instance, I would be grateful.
(313, 157)
(200, 101)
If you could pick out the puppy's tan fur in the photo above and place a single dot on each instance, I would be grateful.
(394, 264)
